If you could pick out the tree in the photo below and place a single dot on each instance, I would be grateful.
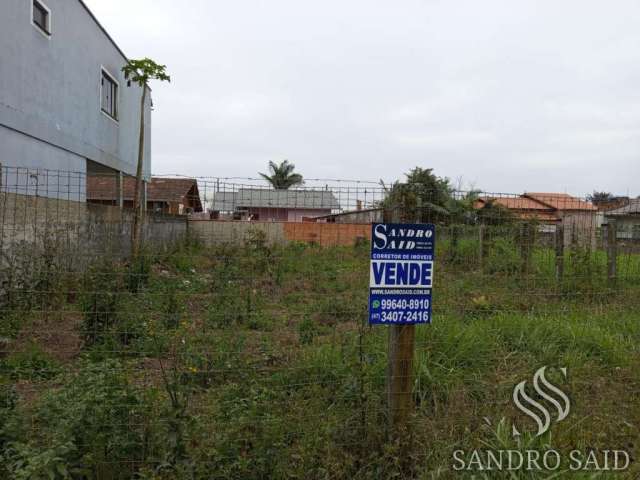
(282, 176)
(598, 198)
(140, 72)
(492, 213)
(422, 196)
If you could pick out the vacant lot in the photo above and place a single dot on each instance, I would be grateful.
(256, 362)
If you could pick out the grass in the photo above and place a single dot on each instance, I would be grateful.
(256, 362)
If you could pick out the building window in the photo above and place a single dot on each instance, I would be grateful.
(109, 95)
(41, 17)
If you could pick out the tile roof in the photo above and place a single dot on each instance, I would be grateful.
(561, 201)
(539, 206)
(633, 208)
(268, 198)
(159, 189)
(516, 203)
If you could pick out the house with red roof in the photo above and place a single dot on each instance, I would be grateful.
(577, 216)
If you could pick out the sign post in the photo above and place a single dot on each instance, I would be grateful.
(400, 283)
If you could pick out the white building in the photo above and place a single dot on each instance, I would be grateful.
(64, 102)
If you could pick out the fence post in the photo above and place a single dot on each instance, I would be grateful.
(120, 189)
(559, 253)
(526, 241)
(399, 368)
(612, 252)
(481, 234)
(454, 242)
(144, 196)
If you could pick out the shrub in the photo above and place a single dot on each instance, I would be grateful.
(8, 401)
(92, 427)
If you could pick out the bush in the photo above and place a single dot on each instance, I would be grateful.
(92, 427)
(8, 401)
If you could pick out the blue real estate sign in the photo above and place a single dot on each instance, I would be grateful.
(401, 273)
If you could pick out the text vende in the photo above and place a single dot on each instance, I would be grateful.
(401, 274)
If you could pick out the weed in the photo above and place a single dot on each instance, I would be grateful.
(29, 364)
(503, 257)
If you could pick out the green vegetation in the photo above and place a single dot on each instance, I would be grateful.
(282, 175)
(255, 362)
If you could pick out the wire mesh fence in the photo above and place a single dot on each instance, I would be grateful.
(236, 344)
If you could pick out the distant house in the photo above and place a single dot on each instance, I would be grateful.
(546, 208)
(523, 208)
(177, 196)
(273, 205)
(365, 215)
(612, 204)
(627, 220)
(577, 216)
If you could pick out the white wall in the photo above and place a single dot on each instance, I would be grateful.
(65, 178)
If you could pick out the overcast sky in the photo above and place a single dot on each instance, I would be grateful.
(510, 95)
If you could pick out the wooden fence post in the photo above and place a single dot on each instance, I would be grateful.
(526, 242)
(481, 252)
(559, 253)
(399, 369)
(120, 190)
(454, 242)
(612, 252)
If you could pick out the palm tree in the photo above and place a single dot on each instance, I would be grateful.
(282, 176)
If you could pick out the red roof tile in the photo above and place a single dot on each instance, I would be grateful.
(516, 203)
(561, 201)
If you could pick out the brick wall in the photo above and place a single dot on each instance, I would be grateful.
(214, 232)
(327, 234)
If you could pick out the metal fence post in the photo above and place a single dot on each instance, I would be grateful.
(612, 252)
